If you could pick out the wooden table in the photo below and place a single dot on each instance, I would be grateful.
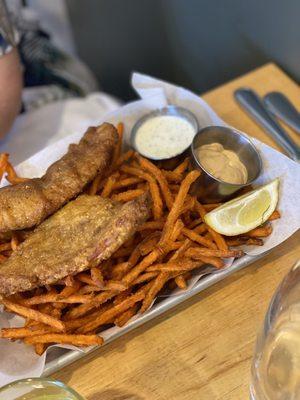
(203, 348)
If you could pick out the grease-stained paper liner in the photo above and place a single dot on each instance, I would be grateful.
(18, 360)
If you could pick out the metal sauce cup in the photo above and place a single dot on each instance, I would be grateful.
(211, 189)
(171, 110)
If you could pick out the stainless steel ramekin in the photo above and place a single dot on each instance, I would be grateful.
(211, 189)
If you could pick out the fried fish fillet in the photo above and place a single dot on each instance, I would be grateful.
(27, 204)
(82, 234)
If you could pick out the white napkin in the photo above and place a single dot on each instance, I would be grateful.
(155, 94)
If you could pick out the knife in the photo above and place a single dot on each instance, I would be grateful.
(255, 107)
(280, 106)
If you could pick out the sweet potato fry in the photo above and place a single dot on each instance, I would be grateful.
(214, 261)
(14, 241)
(70, 281)
(183, 264)
(124, 157)
(174, 188)
(128, 195)
(195, 223)
(172, 176)
(69, 290)
(73, 324)
(178, 203)
(106, 316)
(200, 229)
(29, 323)
(262, 231)
(5, 246)
(117, 286)
(188, 204)
(40, 348)
(153, 225)
(56, 298)
(142, 266)
(76, 298)
(180, 282)
(122, 252)
(157, 204)
(156, 286)
(121, 269)
(41, 299)
(274, 215)
(95, 185)
(181, 251)
(148, 244)
(45, 308)
(83, 309)
(85, 278)
(218, 239)
(12, 176)
(147, 276)
(122, 296)
(3, 164)
(19, 333)
(238, 241)
(159, 176)
(76, 340)
(89, 289)
(97, 277)
(127, 182)
(120, 130)
(122, 319)
(182, 167)
(108, 187)
(174, 246)
(213, 252)
(211, 206)
(177, 229)
(195, 237)
(34, 315)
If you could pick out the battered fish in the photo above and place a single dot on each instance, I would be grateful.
(82, 234)
(27, 204)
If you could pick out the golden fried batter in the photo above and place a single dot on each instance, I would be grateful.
(82, 234)
(27, 204)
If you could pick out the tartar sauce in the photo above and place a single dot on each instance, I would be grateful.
(164, 136)
(222, 164)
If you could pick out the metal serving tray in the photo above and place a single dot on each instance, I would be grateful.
(58, 358)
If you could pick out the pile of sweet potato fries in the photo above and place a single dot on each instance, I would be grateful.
(163, 254)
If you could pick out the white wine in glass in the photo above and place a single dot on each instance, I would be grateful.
(276, 364)
(38, 389)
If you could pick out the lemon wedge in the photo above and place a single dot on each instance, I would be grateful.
(246, 212)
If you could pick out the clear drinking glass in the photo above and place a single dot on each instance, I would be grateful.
(276, 364)
(38, 389)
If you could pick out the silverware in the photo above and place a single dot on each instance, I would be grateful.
(281, 107)
(210, 188)
(253, 104)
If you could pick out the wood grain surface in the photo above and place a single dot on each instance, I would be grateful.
(203, 348)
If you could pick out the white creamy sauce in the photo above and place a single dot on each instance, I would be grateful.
(164, 136)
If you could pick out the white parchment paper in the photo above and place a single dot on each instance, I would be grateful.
(18, 360)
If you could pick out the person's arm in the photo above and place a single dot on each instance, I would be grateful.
(10, 71)
(10, 90)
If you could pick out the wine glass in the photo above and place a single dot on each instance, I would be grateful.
(38, 389)
(276, 363)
